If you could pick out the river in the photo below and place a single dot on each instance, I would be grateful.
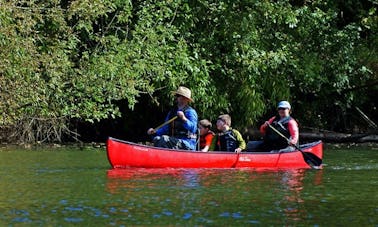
(45, 186)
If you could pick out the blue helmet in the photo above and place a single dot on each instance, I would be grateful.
(284, 104)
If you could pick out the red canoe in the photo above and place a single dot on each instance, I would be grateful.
(123, 154)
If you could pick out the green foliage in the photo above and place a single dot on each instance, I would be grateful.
(64, 60)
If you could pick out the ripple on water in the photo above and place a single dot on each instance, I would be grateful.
(73, 220)
(22, 216)
(187, 216)
(167, 213)
(236, 215)
(22, 220)
(74, 208)
(355, 167)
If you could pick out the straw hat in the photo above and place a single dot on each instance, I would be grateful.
(184, 91)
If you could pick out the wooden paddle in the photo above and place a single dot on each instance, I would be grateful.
(311, 159)
(165, 123)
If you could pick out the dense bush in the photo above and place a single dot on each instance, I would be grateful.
(65, 60)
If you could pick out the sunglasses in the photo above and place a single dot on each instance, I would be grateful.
(221, 120)
(281, 108)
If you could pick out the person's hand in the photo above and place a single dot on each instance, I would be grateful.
(238, 150)
(181, 115)
(151, 131)
(266, 124)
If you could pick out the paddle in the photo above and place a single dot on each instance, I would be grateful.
(165, 123)
(311, 159)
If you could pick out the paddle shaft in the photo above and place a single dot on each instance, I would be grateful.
(313, 162)
(282, 135)
(165, 123)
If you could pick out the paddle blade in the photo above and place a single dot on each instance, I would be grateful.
(311, 159)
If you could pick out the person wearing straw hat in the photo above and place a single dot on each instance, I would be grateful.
(284, 124)
(181, 132)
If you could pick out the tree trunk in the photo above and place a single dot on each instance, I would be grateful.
(339, 137)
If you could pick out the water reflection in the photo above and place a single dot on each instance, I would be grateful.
(196, 188)
(118, 179)
(293, 203)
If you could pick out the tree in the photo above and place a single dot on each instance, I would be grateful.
(67, 60)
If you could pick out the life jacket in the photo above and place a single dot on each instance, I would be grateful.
(176, 127)
(226, 141)
(272, 138)
(203, 139)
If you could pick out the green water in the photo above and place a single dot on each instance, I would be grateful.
(69, 186)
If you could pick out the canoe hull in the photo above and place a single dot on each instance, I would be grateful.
(123, 154)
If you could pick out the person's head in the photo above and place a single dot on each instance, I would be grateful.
(223, 122)
(204, 126)
(284, 108)
(183, 95)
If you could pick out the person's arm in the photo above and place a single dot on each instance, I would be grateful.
(191, 120)
(205, 149)
(208, 141)
(265, 125)
(294, 131)
(240, 140)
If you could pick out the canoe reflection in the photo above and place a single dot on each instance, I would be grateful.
(246, 190)
(119, 179)
(293, 184)
(290, 179)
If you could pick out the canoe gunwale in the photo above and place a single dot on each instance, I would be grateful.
(302, 146)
